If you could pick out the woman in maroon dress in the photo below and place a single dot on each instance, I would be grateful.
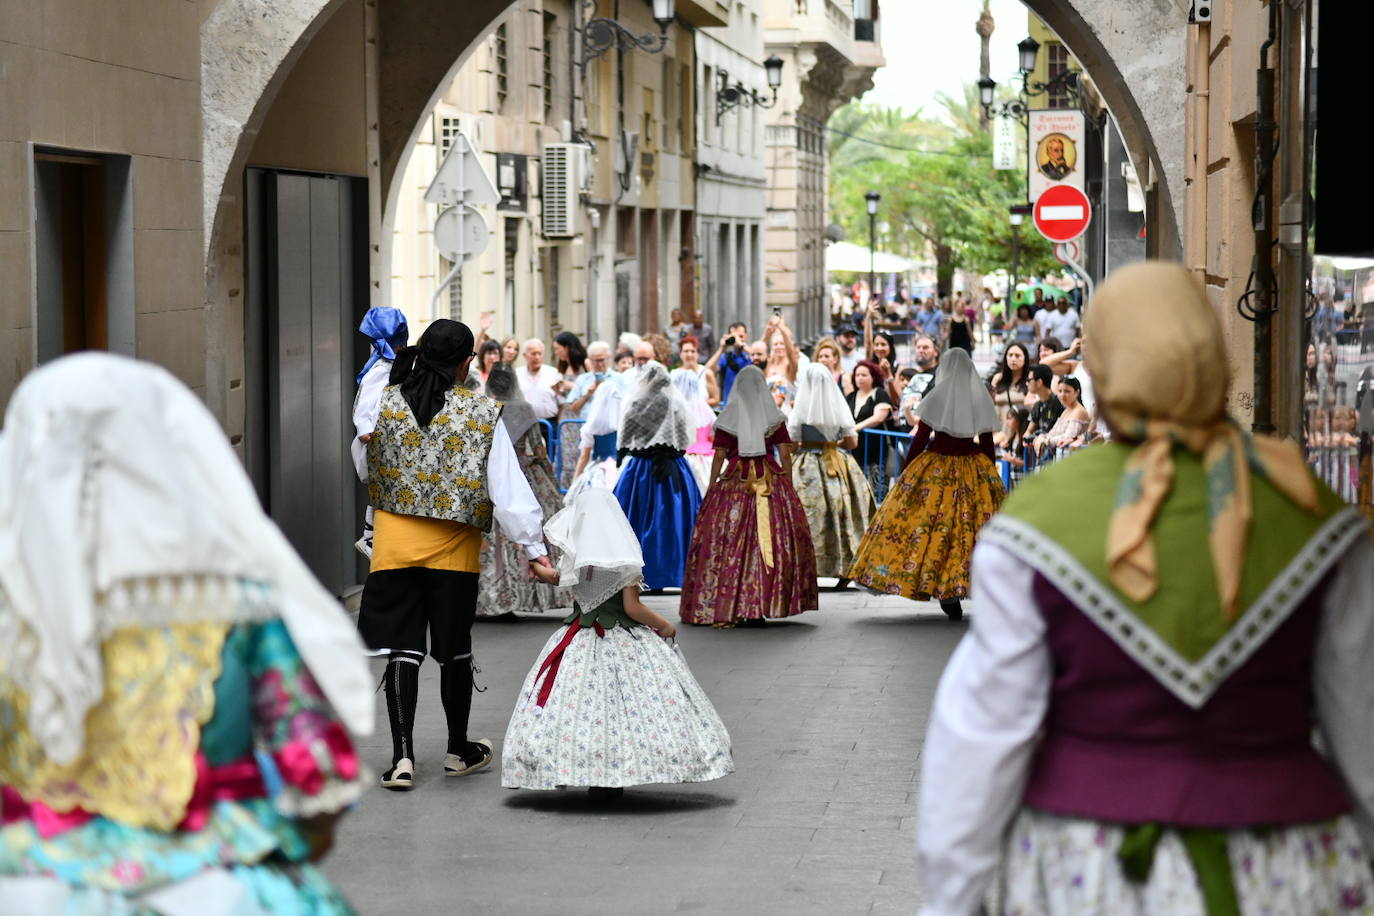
(751, 556)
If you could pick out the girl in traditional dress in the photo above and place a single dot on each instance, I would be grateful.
(751, 555)
(609, 702)
(176, 688)
(656, 487)
(1164, 624)
(829, 482)
(921, 540)
(700, 452)
(505, 586)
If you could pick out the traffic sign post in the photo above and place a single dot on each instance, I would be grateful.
(1062, 213)
(461, 185)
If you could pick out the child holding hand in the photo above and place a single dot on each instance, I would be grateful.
(610, 701)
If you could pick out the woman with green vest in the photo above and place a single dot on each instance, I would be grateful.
(1163, 624)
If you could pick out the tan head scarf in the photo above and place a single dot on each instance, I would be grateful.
(1155, 352)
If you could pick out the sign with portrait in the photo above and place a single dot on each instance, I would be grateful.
(1055, 149)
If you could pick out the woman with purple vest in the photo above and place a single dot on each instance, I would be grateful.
(1161, 624)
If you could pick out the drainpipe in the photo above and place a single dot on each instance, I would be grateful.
(1261, 309)
(1200, 62)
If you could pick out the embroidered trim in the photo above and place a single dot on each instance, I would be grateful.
(1192, 682)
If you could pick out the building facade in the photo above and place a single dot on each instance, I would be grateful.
(731, 178)
(829, 57)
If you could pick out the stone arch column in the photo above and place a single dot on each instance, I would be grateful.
(248, 49)
(1136, 54)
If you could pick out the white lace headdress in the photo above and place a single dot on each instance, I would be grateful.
(656, 414)
(121, 503)
(750, 414)
(599, 553)
(819, 404)
(958, 404)
(693, 391)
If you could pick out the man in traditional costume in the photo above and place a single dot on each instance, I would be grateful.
(441, 468)
(1161, 624)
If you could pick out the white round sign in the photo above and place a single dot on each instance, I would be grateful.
(461, 233)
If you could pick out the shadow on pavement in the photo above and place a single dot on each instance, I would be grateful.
(637, 800)
(915, 619)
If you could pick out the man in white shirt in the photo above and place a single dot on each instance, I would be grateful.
(1061, 322)
(538, 381)
(850, 351)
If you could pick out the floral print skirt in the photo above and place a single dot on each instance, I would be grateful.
(921, 541)
(727, 578)
(838, 507)
(505, 585)
(265, 889)
(624, 710)
(1056, 866)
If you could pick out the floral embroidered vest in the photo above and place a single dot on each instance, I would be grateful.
(438, 471)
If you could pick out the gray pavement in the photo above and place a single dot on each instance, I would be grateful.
(826, 712)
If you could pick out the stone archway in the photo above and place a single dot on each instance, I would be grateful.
(248, 51)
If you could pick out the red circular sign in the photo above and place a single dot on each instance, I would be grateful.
(1062, 213)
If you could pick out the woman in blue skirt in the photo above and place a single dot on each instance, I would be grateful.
(656, 487)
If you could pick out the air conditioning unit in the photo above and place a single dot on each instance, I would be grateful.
(561, 184)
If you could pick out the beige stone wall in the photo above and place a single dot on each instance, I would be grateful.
(107, 78)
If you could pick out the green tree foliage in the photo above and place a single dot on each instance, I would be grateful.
(940, 193)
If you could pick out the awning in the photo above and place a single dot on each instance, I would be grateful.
(846, 257)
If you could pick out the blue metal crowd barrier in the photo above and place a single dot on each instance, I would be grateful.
(883, 455)
(550, 441)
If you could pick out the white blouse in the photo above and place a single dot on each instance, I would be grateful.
(995, 691)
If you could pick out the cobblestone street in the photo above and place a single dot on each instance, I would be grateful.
(826, 712)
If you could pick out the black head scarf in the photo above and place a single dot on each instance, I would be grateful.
(426, 372)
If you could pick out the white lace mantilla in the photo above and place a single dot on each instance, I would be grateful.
(1192, 682)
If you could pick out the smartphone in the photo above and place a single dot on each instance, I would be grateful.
(777, 311)
(600, 376)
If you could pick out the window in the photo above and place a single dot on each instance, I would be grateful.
(591, 88)
(550, 25)
(502, 67)
(649, 134)
(83, 241)
(455, 289)
(708, 119)
(672, 125)
(448, 132)
(685, 108)
(1057, 61)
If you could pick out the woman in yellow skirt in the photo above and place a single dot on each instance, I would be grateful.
(921, 540)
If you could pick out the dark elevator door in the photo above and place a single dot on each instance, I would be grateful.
(306, 251)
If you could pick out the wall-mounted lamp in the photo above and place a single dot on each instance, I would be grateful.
(728, 96)
(600, 35)
(1027, 49)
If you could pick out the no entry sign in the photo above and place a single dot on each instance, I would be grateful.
(1062, 213)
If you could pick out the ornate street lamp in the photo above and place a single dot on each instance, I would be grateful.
(728, 96)
(871, 199)
(1026, 52)
(601, 35)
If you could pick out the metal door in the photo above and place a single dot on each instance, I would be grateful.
(306, 266)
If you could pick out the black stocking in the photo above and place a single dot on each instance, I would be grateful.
(455, 689)
(402, 691)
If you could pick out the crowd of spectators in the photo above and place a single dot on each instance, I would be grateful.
(1033, 383)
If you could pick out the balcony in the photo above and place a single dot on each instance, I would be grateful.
(703, 13)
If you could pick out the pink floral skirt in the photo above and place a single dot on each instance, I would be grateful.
(728, 577)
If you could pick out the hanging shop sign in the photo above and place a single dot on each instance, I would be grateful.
(1004, 143)
(1054, 150)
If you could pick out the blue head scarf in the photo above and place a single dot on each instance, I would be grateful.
(386, 326)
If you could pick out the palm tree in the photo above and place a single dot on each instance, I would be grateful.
(984, 28)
